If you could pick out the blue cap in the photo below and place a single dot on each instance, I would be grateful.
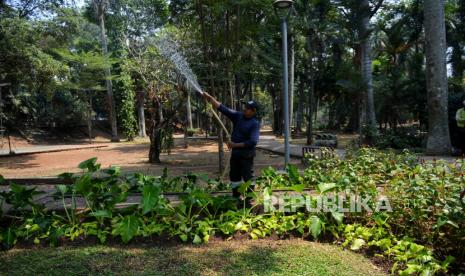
(251, 105)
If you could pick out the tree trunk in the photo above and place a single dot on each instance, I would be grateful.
(100, 9)
(310, 112)
(190, 125)
(155, 134)
(89, 119)
(436, 78)
(300, 105)
(369, 116)
(141, 113)
(155, 145)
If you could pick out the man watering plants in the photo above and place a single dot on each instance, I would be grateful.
(244, 138)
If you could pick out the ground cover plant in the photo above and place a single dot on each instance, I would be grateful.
(423, 234)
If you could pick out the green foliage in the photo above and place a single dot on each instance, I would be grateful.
(425, 227)
(409, 258)
(126, 227)
(192, 131)
(402, 138)
(127, 102)
(20, 197)
(150, 197)
(8, 237)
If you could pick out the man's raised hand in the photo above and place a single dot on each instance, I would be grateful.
(211, 100)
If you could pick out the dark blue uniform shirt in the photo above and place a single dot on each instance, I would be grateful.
(245, 130)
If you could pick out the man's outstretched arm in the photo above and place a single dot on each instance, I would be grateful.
(215, 103)
(231, 114)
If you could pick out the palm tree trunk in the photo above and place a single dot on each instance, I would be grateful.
(436, 78)
(141, 113)
(369, 116)
(100, 9)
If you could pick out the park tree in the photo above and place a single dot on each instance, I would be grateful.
(127, 22)
(359, 15)
(436, 76)
(358, 65)
(86, 74)
(28, 65)
(219, 28)
(100, 7)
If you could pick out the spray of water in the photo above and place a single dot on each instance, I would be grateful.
(169, 50)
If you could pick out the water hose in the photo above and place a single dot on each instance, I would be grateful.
(228, 135)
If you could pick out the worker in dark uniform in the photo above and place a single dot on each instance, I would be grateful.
(244, 138)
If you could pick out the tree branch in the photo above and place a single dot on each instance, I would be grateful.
(376, 8)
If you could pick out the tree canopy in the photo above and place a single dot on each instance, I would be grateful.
(356, 66)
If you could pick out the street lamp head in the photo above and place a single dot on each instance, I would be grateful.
(283, 8)
(283, 4)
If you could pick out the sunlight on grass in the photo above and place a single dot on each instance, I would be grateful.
(218, 258)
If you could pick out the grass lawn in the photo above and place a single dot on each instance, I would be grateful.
(264, 257)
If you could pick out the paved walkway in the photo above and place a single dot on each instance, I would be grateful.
(268, 142)
(43, 149)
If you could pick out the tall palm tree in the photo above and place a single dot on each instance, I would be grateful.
(366, 63)
(436, 78)
(100, 6)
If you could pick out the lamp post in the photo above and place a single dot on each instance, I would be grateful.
(283, 9)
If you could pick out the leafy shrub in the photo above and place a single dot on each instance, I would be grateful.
(425, 226)
(192, 131)
(400, 138)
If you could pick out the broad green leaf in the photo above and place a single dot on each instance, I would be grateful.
(9, 237)
(240, 226)
(447, 261)
(357, 244)
(293, 173)
(55, 234)
(114, 171)
(453, 224)
(127, 228)
(326, 187)
(150, 197)
(84, 185)
(90, 164)
(316, 226)
(268, 191)
(244, 187)
(62, 189)
(101, 214)
(337, 216)
(298, 188)
(66, 176)
(197, 239)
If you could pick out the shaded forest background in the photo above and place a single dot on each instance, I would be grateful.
(355, 66)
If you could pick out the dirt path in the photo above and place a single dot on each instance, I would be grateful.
(201, 157)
